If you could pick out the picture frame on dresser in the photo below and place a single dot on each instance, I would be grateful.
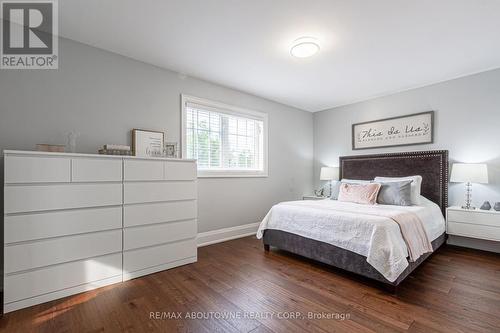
(171, 149)
(147, 143)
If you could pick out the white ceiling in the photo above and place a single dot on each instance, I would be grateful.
(368, 48)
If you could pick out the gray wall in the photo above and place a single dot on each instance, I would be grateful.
(467, 124)
(103, 96)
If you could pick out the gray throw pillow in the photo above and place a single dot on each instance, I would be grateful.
(395, 193)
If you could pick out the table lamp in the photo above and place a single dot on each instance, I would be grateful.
(469, 173)
(329, 173)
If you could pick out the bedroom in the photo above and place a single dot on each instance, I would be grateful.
(159, 242)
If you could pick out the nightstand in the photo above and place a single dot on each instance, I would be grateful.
(313, 197)
(479, 224)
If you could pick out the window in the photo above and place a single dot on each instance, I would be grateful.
(226, 141)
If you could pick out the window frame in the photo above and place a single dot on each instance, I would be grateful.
(231, 110)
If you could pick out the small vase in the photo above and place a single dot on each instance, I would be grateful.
(486, 205)
(497, 206)
(71, 143)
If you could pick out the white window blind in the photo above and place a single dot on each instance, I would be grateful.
(224, 141)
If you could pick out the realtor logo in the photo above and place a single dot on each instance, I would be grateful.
(29, 34)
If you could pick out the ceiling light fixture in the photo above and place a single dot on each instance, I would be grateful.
(304, 47)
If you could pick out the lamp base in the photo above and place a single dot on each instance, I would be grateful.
(468, 197)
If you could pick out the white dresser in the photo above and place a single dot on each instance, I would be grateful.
(76, 222)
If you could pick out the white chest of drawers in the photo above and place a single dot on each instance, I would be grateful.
(76, 222)
(159, 214)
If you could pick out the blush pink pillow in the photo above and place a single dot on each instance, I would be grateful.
(359, 193)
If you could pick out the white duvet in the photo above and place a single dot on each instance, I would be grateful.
(354, 227)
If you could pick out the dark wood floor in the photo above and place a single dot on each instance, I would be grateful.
(456, 290)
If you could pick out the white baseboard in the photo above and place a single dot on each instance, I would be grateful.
(225, 234)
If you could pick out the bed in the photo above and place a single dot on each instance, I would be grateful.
(319, 230)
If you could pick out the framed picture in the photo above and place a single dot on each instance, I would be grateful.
(146, 143)
(413, 129)
(171, 149)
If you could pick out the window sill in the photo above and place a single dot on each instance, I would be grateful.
(234, 174)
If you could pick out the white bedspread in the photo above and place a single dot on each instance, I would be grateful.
(356, 228)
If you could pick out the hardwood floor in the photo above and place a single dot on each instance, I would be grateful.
(456, 290)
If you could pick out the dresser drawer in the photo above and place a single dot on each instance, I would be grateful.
(134, 260)
(96, 170)
(26, 169)
(157, 192)
(155, 234)
(19, 228)
(59, 277)
(29, 198)
(58, 250)
(137, 170)
(180, 170)
(159, 212)
(474, 217)
(473, 230)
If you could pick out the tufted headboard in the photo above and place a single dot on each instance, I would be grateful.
(431, 165)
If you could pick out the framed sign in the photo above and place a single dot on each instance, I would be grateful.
(406, 130)
(147, 143)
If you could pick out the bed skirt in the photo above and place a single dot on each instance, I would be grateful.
(336, 256)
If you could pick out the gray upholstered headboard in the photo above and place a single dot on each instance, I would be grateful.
(431, 165)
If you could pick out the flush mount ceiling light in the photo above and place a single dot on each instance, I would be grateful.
(304, 47)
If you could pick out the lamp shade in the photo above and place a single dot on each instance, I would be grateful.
(329, 173)
(469, 173)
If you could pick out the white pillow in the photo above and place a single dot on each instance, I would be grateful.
(416, 185)
(355, 181)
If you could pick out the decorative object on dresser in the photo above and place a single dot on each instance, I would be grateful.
(329, 174)
(116, 147)
(478, 224)
(113, 149)
(412, 129)
(486, 206)
(147, 143)
(171, 150)
(497, 206)
(50, 148)
(76, 222)
(71, 143)
(469, 173)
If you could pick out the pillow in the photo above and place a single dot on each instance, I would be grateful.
(416, 185)
(359, 193)
(336, 187)
(355, 181)
(395, 193)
